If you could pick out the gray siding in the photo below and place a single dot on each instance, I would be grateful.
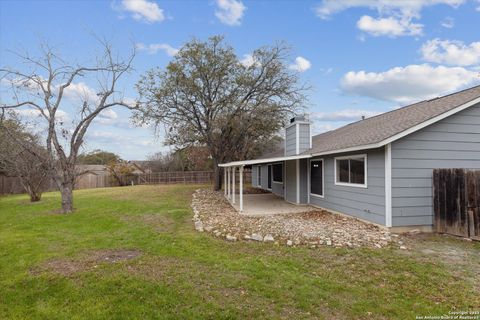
(277, 188)
(304, 137)
(290, 141)
(453, 142)
(290, 181)
(254, 176)
(365, 203)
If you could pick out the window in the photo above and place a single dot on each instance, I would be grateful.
(351, 170)
(277, 172)
(316, 177)
(259, 176)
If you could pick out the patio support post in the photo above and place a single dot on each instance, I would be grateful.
(225, 181)
(233, 184)
(228, 184)
(241, 189)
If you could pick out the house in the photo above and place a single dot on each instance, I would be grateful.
(378, 169)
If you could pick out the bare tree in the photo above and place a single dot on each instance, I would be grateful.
(208, 96)
(45, 87)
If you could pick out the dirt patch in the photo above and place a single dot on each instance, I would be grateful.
(458, 255)
(85, 262)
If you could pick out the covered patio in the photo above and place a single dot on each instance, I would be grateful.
(267, 204)
(271, 204)
(255, 204)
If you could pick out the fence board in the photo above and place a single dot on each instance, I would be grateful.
(457, 202)
(12, 185)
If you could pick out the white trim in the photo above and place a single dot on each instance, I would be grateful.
(310, 178)
(353, 156)
(280, 163)
(285, 143)
(225, 182)
(262, 161)
(310, 130)
(271, 176)
(233, 184)
(241, 188)
(388, 185)
(228, 179)
(297, 163)
(297, 139)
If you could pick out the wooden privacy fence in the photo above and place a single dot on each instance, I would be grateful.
(11, 185)
(457, 202)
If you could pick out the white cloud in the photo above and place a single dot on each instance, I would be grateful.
(390, 26)
(81, 91)
(451, 52)
(248, 60)
(408, 84)
(407, 7)
(448, 23)
(395, 16)
(323, 127)
(33, 114)
(155, 47)
(301, 64)
(230, 12)
(343, 115)
(143, 10)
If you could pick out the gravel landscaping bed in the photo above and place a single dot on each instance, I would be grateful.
(214, 214)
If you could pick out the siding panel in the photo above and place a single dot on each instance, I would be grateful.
(453, 142)
(365, 203)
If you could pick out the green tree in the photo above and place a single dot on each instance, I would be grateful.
(207, 96)
(98, 157)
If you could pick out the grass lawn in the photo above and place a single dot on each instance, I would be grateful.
(49, 267)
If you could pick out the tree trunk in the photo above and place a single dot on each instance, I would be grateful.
(66, 191)
(35, 196)
(217, 176)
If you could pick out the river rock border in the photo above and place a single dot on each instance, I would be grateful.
(213, 214)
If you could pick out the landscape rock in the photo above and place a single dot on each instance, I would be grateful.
(199, 226)
(268, 238)
(231, 238)
(213, 213)
(257, 237)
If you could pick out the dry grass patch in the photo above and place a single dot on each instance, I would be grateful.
(85, 262)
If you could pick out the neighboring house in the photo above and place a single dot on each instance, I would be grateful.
(377, 169)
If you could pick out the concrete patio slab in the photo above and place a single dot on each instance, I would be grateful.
(268, 204)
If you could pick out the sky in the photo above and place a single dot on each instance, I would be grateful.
(360, 57)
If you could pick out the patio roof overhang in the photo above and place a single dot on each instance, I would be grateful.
(267, 160)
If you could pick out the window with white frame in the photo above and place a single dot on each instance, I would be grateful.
(259, 176)
(351, 170)
(316, 177)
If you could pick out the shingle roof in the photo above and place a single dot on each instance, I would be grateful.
(378, 128)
